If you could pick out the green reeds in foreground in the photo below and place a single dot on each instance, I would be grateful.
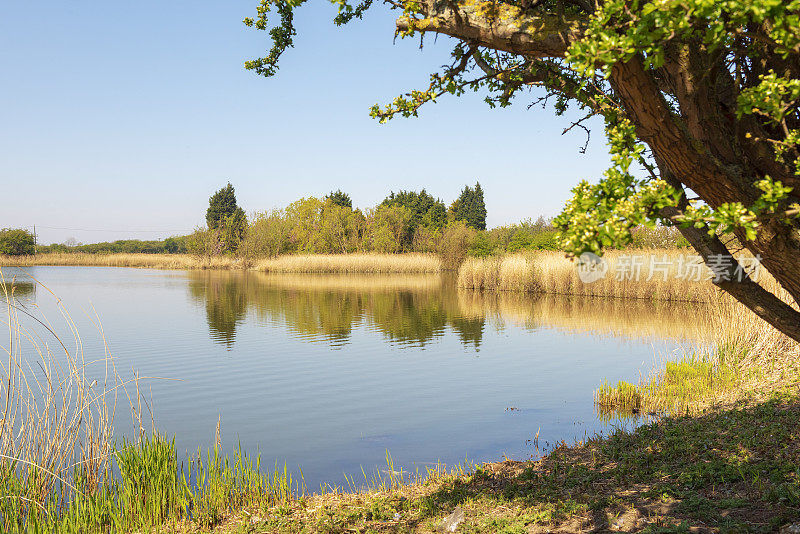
(744, 356)
(60, 470)
(682, 386)
(152, 491)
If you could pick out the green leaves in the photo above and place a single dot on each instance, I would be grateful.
(620, 29)
(603, 215)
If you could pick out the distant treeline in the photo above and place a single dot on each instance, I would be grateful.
(170, 245)
(406, 221)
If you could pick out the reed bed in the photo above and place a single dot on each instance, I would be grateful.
(744, 356)
(148, 261)
(352, 263)
(657, 275)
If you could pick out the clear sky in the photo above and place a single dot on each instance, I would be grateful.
(120, 119)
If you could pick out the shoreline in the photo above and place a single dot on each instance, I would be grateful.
(721, 463)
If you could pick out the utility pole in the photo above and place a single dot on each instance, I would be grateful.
(35, 242)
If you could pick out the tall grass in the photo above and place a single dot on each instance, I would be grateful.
(552, 272)
(61, 470)
(745, 356)
(150, 261)
(351, 263)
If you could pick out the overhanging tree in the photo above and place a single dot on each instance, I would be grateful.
(704, 95)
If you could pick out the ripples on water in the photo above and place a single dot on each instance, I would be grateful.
(327, 373)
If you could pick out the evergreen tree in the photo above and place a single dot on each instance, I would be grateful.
(221, 205)
(339, 198)
(226, 218)
(470, 207)
(478, 214)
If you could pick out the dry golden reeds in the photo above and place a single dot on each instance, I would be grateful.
(653, 274)
(351, 263)
(148, 261)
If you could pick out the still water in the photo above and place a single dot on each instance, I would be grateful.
(328, 373)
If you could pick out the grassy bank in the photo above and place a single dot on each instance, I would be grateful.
(733, 470)
(744, 356)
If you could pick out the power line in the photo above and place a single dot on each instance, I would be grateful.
(102, 229)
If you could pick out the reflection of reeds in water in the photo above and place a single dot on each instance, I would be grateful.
(597, 315)
(351, 282)
(351, 263)
(149, 261)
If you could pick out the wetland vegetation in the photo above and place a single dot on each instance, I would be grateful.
(678, 471)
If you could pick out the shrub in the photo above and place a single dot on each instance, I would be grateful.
(457, 239)
(16, 242)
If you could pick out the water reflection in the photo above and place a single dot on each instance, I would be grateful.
(416, 310)
(19, 289)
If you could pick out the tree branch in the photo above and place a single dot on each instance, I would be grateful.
(496, 25)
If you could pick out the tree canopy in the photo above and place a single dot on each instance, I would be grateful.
(339, 198)
(470, 207)
(16, 242)
(702, 95)
(226, 218)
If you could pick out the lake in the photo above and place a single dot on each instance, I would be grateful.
(326, 373)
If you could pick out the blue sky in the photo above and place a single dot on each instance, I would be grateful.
(120, 119)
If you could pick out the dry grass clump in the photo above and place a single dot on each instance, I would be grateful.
(503, 273)
(655, 274)
(351, 263)
(149, 261)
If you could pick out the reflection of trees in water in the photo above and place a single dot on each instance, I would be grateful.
(419, 309)
(18, 289)
(225, 299)
(319, 307)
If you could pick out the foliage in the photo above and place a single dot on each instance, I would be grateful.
(481, 246)
(703, 96)
(427, 212)
(205, 243)
(267, 235)
(16, 242)
(227, 218)
(339, 198)
(388, 227)
(457, 239)
(470, 207)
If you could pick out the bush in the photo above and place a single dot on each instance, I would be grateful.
(205, 243)
(481, 246)
(268, 235)
(16, 242)
(457, 239)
